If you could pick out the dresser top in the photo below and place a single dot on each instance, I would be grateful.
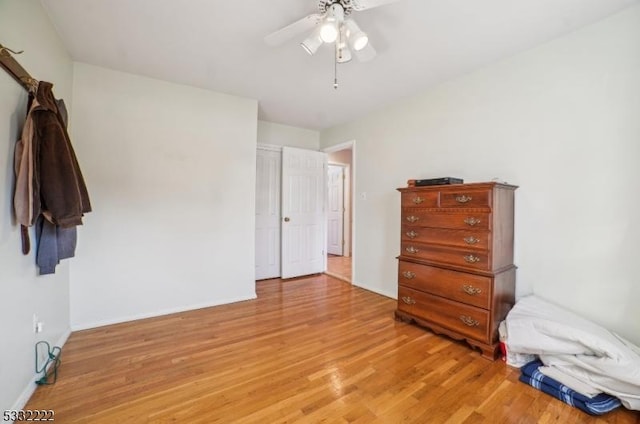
(482, 185)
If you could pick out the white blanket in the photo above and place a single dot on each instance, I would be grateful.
(577, 347)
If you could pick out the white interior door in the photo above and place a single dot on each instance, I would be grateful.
(335, 210)
(303, 224)
(268, 185)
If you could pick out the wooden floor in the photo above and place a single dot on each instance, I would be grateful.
(339, 267)
(309, 350)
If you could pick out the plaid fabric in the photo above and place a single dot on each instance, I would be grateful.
(598, 405)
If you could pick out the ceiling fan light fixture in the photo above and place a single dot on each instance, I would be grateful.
(366, 54)
(331, 24)
(358, 40)
(313, 42)
(328, 32)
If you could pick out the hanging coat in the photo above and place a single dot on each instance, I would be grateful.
(48, 177)
(54, 243)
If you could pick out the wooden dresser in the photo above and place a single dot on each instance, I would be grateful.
(455, 270)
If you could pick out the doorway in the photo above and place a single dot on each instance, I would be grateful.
(271, 215)
(340, 211)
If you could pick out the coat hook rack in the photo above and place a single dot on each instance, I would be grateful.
(13, 68)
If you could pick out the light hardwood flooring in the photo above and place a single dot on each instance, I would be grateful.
(308, 350)
(339, 267)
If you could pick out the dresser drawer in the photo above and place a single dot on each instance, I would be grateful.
(464, 319)
(411, 199)
(470, 220)
(465, 199)
(474, 260)
(471, 239)
(459, 286)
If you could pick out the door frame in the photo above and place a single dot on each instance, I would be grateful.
(351, 144)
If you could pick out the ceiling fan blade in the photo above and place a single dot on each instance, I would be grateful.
(298, 27)
(367, 53)
(370, 4)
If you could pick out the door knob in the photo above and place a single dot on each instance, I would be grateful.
(287, 219)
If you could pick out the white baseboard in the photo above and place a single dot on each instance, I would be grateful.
(96, 324)
(31, 386)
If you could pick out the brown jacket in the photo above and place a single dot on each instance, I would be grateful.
(23, 165)
(48, 177)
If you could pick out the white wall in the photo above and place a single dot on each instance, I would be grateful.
(562, 122)
(171, 174)
(285, 135)
(24, 26)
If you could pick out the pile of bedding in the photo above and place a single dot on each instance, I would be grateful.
(598, 404)
(576, 352)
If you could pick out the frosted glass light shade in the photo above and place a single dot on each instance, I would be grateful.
(313, 42)
(329, 29)
(358, 40)
(328, 32)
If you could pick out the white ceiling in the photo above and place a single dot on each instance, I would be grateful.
(218, 45)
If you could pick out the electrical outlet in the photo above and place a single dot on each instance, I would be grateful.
(38, 325)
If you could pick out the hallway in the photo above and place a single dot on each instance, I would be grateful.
(339, 267)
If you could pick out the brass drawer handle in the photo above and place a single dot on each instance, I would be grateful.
(409, 275)
(411, 234)
(412, 249)
(418, 200)
(471, 259)
(463, 199)
(470, 290)
(471, 221)
(412, 218)
(471, 240)
(408, 300)
(469, 321)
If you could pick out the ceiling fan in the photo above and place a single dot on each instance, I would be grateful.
(332, 24)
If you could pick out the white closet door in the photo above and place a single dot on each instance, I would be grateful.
(303, 198)
(268, 182)
(335, 210)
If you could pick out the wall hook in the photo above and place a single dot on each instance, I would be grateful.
(4, 51)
